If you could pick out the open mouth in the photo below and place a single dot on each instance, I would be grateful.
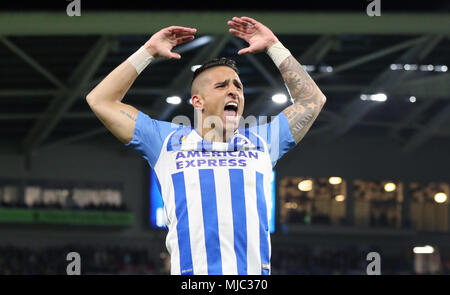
(231, 109)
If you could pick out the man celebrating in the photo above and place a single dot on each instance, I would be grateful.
(214, 177)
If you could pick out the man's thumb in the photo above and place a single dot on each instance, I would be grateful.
(175, 55)
(244, 51)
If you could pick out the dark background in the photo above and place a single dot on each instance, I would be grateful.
(47, 138)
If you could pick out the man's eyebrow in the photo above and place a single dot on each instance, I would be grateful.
(237, 82)
(223, 82)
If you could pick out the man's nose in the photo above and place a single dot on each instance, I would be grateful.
(233, 93)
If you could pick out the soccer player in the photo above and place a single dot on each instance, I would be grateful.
(214, 176)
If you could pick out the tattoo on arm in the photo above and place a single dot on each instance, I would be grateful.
(307, 97)
(128, 115)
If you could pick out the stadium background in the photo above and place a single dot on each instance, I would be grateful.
(67, 185)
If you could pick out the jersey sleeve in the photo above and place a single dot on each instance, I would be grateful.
(277, 135)
(148, 137)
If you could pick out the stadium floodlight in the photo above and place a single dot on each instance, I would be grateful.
(279, 98)
(440, 198)
(378, 97)
(339, 198)
(423, 250)
(412, 99)
(173, 100)
(335, 180)
(390, 187)
(309, 68)
(305, 185)
(374, 97)
(441, 68)
(426, 68)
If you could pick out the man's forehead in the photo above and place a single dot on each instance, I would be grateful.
(220, 74)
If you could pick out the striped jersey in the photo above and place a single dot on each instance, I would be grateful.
(216, 194)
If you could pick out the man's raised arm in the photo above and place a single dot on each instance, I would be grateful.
(307, 98)
(306, 95)
(105, 99)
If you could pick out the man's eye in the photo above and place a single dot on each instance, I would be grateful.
(220, 86)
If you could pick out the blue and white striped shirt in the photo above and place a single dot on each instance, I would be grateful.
(216, 194)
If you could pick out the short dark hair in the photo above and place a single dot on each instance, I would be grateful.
(223, 61)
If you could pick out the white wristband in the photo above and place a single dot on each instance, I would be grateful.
(278, 53)
(140, 59)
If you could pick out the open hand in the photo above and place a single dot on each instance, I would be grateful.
(258, 36)
(162, 42)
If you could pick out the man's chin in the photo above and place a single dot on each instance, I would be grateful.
(231, 123)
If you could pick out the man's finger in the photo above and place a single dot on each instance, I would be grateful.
(234, 24)
(249, 19)
(181, 30)
(244, 51)
(239, 21)
(238, 33)
(238, 26)
(184, 39)
(174, 55)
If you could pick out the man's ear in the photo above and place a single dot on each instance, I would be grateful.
(197, 102)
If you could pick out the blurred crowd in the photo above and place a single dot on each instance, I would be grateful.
(293, 260)
(94, 260)
(351, 260)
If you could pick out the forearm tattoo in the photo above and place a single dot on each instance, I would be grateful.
(307, 97)
(128, 115)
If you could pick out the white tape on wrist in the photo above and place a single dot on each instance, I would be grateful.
(140, 59)
(278, 53)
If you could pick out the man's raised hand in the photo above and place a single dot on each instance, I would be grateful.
(162, 42)
(258, 36)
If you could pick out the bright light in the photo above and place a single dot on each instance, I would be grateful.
(441, 68)
(339, 198)
(309, 68)
(335, 180)
(413, 67)
(291, 205)
(173, 100)
(390, 187)
(440, 198)
(305, 185)
(327, 69)
(194, 67)
(426, 68)
(374, 97)
(412, 99)
(279, 98)
(423, 250)
(378, 97)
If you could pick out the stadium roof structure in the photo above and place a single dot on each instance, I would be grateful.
(50, 61)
